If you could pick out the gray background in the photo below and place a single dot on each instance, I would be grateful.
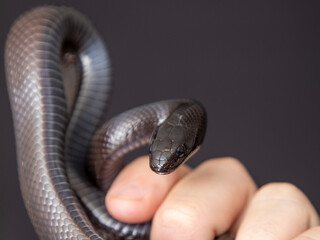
(253, 64)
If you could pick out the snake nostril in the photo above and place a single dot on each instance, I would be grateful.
(155, 167)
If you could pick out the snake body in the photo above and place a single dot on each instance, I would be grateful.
(58, 78)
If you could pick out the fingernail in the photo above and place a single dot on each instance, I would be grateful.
(128, 192)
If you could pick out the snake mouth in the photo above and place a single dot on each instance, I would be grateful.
(160, 169)
(161, 173)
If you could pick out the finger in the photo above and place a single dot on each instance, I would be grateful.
(279, 211)
(137, 191)
(310, 234)
(204, 203)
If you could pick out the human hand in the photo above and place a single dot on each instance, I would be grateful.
(217, 196)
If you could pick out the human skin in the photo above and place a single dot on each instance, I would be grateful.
(217, 196)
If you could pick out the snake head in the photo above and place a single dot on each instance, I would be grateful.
(170, 147)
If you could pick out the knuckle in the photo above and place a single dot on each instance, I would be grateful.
(229, 162)
(182, 215)
(231, 170)
(281, 190)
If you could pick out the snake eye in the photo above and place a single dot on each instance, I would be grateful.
(180, 152)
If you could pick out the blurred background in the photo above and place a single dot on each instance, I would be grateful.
(253, 64)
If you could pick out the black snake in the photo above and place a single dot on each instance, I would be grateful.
(58, 78)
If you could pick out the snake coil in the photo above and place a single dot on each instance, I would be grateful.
(58, 78)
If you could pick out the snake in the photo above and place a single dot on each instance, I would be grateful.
(59, 83)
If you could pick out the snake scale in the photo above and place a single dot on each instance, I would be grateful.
(58, 77)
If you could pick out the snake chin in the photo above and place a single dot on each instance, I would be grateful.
(160, 170)
(165, 166)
